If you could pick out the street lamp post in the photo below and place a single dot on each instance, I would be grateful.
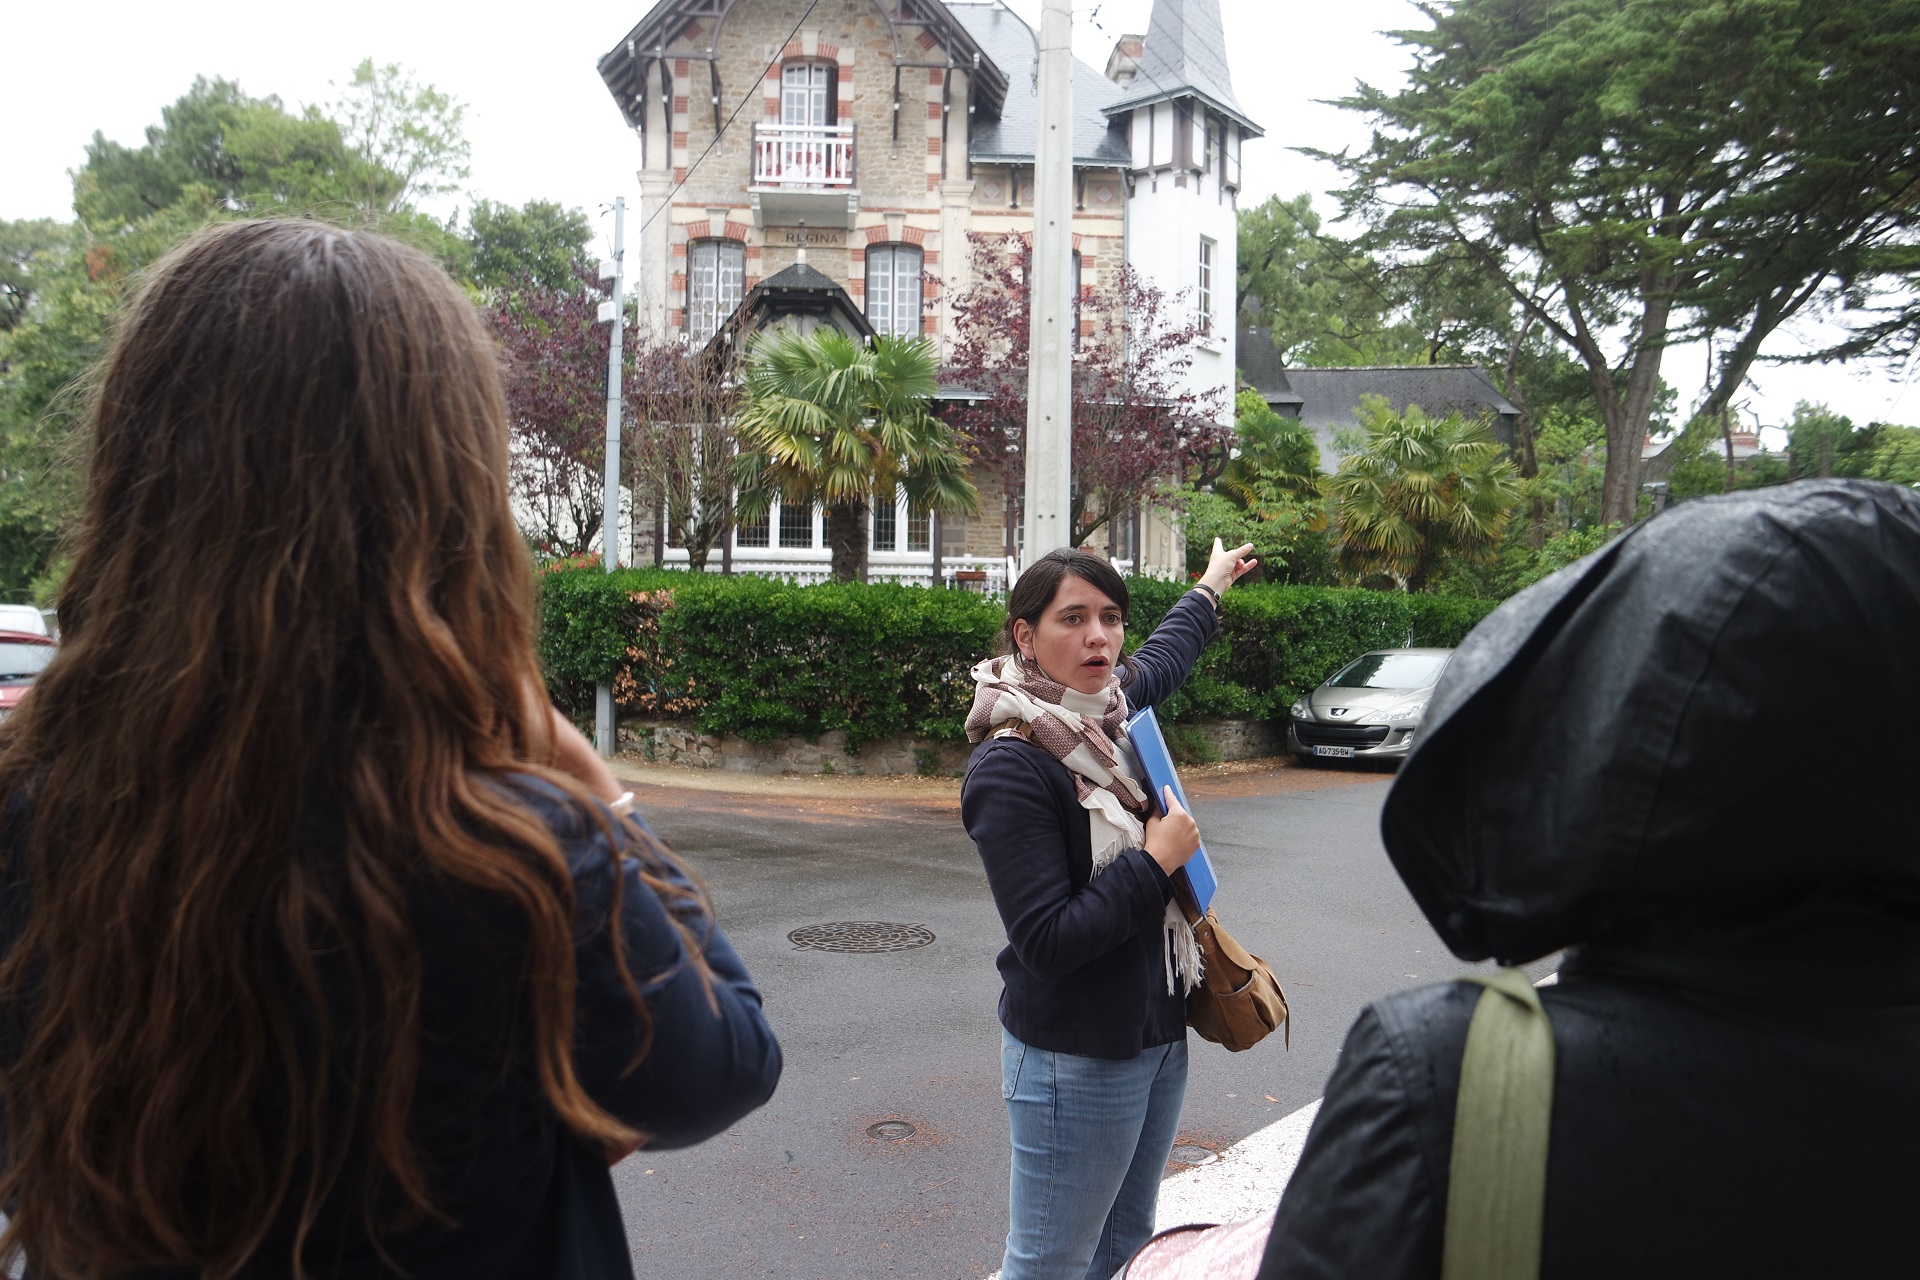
(1049, 436)
(614, 310)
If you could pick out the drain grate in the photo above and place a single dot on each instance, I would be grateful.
(891, 1130)
(861, 936)
(1189, 1153)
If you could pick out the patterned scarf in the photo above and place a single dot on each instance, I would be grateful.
(1116, 805)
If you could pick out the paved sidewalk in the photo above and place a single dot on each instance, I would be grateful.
(1245, 1182)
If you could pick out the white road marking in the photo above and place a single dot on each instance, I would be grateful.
(1245, 1182)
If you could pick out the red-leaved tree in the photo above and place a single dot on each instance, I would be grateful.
(677, 440)
(555, 349)
(1138, 430)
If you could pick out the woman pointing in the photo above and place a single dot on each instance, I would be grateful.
(1099, 959)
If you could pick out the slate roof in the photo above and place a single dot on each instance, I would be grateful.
(801, 289)
(1261, 367)
(625, 67)
(1186, 51)
(1014, 48)
(1327, 398)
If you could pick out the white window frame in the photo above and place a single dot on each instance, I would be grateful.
(716, 284)
(895, 297)
(805, 93)
(766, 526)
(780, 542)
(1203, 294)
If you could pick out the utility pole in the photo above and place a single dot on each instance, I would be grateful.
(1049, 440)
(613, 310)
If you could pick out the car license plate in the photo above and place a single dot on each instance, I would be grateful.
(1339, 753)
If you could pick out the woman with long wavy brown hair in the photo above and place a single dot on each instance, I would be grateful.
(322, 950)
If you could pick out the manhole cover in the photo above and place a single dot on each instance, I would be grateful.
(891, 1130)
(861, 935)
(1187, 1153)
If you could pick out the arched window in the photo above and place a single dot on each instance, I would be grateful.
(716, 280)
(893, 289)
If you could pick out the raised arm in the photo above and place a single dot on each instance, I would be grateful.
(1164, 661)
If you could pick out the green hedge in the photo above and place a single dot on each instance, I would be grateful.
(1276, 642)
(762, 659)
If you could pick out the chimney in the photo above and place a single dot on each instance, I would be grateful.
(1124, 62)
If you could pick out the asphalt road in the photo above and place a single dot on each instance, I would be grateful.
(802, 1188)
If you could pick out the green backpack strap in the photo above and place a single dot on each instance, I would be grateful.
(1497, 1183)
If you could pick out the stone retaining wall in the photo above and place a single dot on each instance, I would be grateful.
(678, 743)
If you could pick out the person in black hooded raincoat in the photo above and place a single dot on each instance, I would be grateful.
(1691, 760)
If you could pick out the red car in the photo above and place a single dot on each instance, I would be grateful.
(23, 656)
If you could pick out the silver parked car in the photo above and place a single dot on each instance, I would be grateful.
(1368, 709)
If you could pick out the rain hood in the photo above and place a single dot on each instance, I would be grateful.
(1696, 750)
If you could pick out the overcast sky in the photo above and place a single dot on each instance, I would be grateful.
(542, 125)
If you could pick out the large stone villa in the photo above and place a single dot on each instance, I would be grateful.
(881, 133)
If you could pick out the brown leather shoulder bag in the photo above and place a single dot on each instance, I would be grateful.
(1239, 1002)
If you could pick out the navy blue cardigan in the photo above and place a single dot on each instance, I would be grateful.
(1085, 965)
(529, 1200)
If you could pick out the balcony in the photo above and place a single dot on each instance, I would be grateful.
(803, 173)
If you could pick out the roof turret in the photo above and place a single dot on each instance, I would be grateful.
(1186, 53)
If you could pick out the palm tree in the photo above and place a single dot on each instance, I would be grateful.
(830, 419)
(1275, 462)
(1421, 487)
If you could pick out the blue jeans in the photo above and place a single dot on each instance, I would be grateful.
(1090, 1140)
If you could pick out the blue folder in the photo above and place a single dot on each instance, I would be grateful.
(1195, 880)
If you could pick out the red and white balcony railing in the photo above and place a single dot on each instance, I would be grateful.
(802, 155)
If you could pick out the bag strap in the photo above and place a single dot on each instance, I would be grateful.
(1012, 729)
(1502, 1119)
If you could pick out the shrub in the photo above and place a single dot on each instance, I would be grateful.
(1276, 642)
(762, 659)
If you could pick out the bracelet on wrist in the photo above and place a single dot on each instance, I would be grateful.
(1211, 593)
